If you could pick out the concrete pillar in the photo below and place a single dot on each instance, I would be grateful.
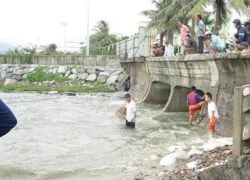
(237, 121)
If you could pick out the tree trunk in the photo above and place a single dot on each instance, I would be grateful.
(170, 36)
(161, 37)
(193, 27)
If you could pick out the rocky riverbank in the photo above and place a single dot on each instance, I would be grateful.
(34, 75)
(193, 164)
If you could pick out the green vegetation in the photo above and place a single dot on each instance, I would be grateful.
(102, 42)
(39, 75)
(165, 15)
(87, 88)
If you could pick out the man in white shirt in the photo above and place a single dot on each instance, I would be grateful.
(130, 111)
(169, 50)
(212, 112)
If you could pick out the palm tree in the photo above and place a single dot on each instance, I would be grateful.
(159, 23)
(102, 36)
(190, 8)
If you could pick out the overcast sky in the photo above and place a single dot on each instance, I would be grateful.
(38, 21)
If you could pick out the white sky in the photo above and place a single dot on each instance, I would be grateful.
(38, 21)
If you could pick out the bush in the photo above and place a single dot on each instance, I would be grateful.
(39, 75)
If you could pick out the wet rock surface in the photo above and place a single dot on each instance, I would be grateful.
(201, 163)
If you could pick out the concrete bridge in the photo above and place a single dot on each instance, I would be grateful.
(167, 80)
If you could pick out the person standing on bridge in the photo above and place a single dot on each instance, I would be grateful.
(212, 112)
(184, 31)
(200, 34)
(130, 111)
(7, 119)
(194, 103)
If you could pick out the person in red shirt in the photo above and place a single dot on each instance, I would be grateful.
(194, 104)
(184, 31)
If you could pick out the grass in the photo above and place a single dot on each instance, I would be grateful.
(40, 75)
(89, 88)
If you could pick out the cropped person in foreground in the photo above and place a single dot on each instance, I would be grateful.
(7, 119)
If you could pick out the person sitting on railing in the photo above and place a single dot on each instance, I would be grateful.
(169, 50)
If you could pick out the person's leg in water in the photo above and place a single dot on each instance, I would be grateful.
(192, 110)
(211, 125)
(130, 124)
(7, 119)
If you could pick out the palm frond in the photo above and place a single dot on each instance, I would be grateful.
(239, 6)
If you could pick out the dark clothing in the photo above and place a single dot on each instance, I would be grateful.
(200, 45)
(241, 35)
(130, 124)
(7, 119)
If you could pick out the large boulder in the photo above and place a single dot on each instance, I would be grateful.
(18, 72)
(83, 76)
(61, 70)
(123, 77)
(91, 71)
(10, 70)
(73, 76)
(102, 79)
(55, 71)
(106, 74)
(81, 70)
(121, 86)
(74, 71)
(117, 72)
(3, 74)
(10, 81)
(91, 77)
(111, 82)
(67, 73)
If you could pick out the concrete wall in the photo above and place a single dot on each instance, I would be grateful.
(111, 61)
(172, 76)
(241, 123)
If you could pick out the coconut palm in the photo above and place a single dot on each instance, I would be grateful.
(102, 36)
(190, 8)
(159, 23)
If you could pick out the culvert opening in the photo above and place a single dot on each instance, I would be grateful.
(159, 93)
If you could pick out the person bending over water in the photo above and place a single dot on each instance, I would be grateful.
(193, 99)
(7, 119)
(130, 111)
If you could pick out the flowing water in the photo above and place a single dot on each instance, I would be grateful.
(79, 137)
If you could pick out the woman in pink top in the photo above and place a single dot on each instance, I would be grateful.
(184, 30)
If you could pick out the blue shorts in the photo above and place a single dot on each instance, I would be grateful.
(7, 119)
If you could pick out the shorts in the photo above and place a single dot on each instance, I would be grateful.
(212, 123)
(130, 124)
(193, 108)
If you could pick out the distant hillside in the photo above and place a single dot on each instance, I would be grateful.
(5, 47)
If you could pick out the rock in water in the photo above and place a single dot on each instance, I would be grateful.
(121, 86)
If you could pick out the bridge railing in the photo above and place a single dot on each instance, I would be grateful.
(241, 123)
(129, 48)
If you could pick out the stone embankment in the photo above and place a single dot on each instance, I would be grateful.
(115, 79)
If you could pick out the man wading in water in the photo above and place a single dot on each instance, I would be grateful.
(130, 111)
(7, 119)
(194, 105)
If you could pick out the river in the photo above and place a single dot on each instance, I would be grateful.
(79, 137)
